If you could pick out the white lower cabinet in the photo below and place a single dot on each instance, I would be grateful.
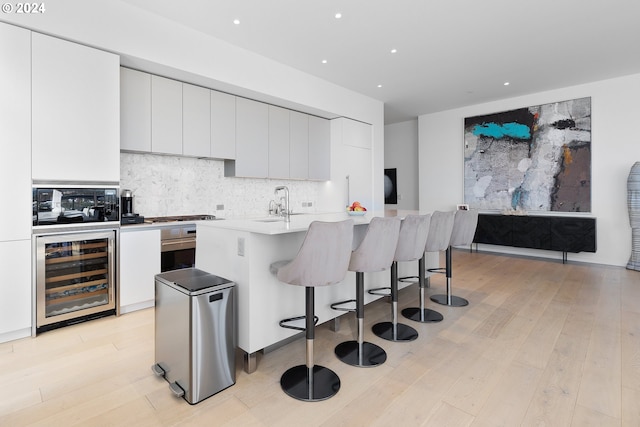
(16, 290)
(139, 263)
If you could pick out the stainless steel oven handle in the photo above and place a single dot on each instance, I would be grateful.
(177, 245)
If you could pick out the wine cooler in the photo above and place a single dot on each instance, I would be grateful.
(75, 277)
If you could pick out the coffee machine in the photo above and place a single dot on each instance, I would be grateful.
(126, 207)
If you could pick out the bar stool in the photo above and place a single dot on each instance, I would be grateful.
(375, 253)
(323, 260)
(437, 240)
(413, 231)
(464, 229)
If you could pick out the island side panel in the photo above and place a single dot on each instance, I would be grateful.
(262, 299)
(216, 253)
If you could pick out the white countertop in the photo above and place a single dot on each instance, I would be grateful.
(276, 225)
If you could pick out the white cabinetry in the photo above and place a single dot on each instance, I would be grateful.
(196, 121)
(15, 288)
(75, 112)
(256, 140)
(15, 176)
(356, 134)
(319, 149)
(252, 140)
(139, 263)
(298, 145)
(278, 142)
(15, 132)
(223, 125)
(166, 115)
(135, 110)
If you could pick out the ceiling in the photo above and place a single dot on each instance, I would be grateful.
(449, 53)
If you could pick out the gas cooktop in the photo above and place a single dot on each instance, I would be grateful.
(178, 218)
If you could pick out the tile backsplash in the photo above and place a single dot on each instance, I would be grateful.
(174, 185)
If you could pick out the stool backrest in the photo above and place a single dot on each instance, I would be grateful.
(440, 231)
(323, 257)
(464, 227)
(412, 238)
(375, 252)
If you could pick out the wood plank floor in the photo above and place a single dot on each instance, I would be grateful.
(541, 343)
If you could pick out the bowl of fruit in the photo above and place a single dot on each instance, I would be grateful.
(356, 209)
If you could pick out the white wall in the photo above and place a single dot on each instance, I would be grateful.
(615, 110)
(154, 44)
(401, 152)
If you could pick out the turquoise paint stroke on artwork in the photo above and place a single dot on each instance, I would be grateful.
(511, 130)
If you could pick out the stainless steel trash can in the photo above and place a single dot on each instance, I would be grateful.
(194, 333)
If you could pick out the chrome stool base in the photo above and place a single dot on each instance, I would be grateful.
(310, 385)
(455, 301)
(369, 355)
(398, 332)
(424, 316)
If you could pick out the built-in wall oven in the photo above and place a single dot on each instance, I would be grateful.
(178, 247)
(75, 234)
(178, 240)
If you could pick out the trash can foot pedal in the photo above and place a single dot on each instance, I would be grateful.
(158, 370)
(176, 389)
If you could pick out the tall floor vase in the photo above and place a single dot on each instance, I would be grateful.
(633, 200)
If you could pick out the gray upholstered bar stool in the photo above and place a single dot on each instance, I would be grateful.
(437, 240)
(375, 253)
(322, 260)
(464, 228)
(410, 248)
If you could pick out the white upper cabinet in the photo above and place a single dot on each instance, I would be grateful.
(252, 140)
(75, 112)
(166, 115)
(298, 145)
(135, 110)
(223, 125)
(196, 121)
(278, 142)
(15, 132)
(319, 149)
(255, 139)
(356, 134)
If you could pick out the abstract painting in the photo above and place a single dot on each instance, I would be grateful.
(530, 159)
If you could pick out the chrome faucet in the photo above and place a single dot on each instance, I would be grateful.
(284, 204)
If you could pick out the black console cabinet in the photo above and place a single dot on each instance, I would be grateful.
(556, 233)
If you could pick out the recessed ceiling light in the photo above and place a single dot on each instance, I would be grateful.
(324, 61)
(394, 50)
(379, 85)
(338, 15)
(236, 21)
(506, 83)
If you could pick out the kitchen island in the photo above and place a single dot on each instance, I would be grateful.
(242, 250)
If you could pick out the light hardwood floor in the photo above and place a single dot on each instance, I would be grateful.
(541, 343)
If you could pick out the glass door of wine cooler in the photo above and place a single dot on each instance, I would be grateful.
(74, 276)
